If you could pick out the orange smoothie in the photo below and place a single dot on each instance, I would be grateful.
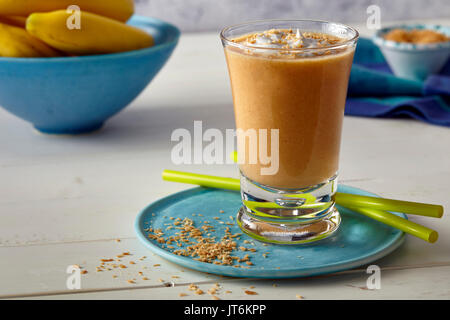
(299, 92)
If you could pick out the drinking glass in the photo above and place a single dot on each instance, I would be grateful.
(289, 107)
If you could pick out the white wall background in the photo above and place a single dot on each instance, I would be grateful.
(208, 15)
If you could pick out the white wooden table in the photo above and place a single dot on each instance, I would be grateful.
(65, 200)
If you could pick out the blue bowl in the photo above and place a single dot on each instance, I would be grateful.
(73, 95)
(414, 61)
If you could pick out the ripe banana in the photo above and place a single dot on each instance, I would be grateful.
(14, 20)
(120, 10)
(96, 35)
(16, 42)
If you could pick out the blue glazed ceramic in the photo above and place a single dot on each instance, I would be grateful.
(359, 240)
(72, 95)
(414, 61)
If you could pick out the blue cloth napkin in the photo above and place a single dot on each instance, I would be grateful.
(375, 92)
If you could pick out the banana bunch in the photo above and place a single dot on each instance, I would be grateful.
(17, 42)
(52, 28)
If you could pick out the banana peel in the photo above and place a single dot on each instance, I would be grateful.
(96, 35)
(17, 42)
(120, 10)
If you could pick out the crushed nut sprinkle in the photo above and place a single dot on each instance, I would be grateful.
(249, 292)
(193, 242)
(192, 287)
(287, 41)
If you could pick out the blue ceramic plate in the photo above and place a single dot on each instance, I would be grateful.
(358, 241)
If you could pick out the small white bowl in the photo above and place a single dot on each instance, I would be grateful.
(414, 61)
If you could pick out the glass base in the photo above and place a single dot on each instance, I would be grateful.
(288, 216)
(288, 233)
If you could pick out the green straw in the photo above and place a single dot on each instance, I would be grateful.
(346, 199)
(397, 222)
(369, 206)
(202, 180)
(421, 209)
(343, 199)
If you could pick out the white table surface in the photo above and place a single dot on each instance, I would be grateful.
(64, 200)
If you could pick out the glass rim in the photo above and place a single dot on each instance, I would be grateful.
(243, 46)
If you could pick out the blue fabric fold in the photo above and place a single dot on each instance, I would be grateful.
(374, 91)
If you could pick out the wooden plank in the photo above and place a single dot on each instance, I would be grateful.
(394, 284)
(41, 269)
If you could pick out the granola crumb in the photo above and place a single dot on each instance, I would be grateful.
(131, 281)
(215, 297)
(416, 36)
(199, 292)
(249, 292)
(192, 287)
(299, 296)
(182, 294)
(212, 290)
(83, 271)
